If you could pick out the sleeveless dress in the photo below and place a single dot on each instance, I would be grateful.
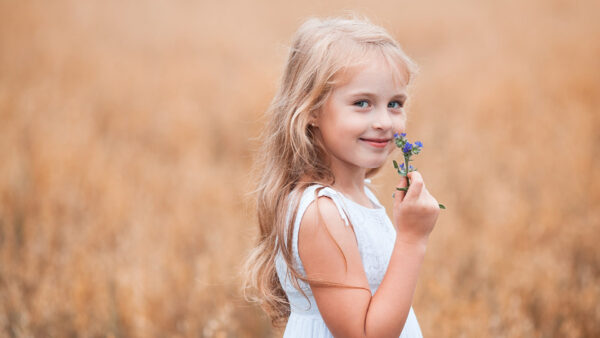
(375, 235)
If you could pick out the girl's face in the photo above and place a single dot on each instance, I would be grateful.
(361, 115)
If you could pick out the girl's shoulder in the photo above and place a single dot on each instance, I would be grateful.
(342, 204)
(299, 204)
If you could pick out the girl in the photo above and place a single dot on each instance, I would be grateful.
(329, 259)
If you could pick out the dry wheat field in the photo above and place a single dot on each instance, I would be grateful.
(127, 132)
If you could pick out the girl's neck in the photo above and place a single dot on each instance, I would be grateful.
(349, 181)
(352, 187)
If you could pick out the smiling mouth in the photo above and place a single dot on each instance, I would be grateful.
(379, 143)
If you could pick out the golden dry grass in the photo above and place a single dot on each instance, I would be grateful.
(126, 136)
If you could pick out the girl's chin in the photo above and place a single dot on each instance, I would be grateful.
(375, 164)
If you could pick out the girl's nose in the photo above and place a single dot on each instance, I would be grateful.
(382, 121)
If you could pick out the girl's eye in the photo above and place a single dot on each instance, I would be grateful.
(400, 104)
(362, 103)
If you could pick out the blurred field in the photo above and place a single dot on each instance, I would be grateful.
(126, 137)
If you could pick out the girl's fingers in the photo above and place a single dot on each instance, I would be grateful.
(399, 194)
(416, 185)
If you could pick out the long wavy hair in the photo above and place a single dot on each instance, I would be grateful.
(292, 156)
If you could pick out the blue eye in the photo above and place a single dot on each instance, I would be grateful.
(400, 104)
(361, 101)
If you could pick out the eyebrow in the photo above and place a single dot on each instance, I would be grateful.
(397, 96)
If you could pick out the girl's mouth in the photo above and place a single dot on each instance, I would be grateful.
(378, 143)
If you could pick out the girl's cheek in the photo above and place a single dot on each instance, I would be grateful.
(400, 122)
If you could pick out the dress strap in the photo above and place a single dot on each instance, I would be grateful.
(339, 202)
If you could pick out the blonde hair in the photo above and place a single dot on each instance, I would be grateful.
(322, 50)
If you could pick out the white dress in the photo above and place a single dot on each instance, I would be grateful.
(375, 235)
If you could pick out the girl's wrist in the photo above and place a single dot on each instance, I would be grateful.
(418, 244)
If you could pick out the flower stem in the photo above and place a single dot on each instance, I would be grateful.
(406, 171)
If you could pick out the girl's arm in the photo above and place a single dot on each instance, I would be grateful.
(354, 312)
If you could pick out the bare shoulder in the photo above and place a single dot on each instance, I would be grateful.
(326, 245)
(322, 215)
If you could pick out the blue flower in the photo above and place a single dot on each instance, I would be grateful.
(396, 135)
(407, 147)
(419, 144)
(402, 166)
(403, 134)
(410, 167)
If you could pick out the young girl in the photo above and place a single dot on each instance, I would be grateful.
(329, 259)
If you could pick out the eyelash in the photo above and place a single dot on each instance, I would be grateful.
(400, 104)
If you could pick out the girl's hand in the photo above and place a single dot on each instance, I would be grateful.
(415, 211)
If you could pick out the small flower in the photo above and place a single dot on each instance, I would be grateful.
(408, 151)
(396, 135)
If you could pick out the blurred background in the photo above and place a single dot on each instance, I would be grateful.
(127, 131)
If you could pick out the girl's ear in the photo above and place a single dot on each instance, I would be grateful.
(313, 119)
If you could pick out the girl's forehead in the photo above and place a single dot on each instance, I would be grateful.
(366, 68)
